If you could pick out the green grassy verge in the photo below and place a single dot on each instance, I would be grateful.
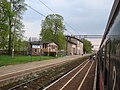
(7, 60)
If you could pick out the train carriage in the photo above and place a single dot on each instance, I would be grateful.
(109, 52)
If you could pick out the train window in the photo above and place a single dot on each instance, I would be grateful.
(102, 57)
(107, 54)
(103, 63)
(115, 27)
(118, 50)
(107, 64)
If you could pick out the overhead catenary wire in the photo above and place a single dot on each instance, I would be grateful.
(36, 11)
(68, 31)
(54, 13)
(71, 27)
(46, 6)
(42, 15)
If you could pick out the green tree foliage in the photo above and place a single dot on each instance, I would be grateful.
(53, 30)
(4, 6)
(87, 46)
(11, 26)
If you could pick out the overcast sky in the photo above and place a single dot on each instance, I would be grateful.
(85, 16)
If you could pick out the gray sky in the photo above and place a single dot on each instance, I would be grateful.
(85, 16)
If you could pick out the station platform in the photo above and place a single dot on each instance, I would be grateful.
(10, 72)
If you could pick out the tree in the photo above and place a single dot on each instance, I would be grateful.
(3, 24)
(17, 7)
(53, 30)
(12, 26)
(87, 46)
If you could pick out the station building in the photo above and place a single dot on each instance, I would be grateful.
(74, 46)
(43, 48)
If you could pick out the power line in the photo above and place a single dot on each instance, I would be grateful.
(42, 15)
(54, 12)
(68, 31)
(36, 11)
(46, 6)
(71, 27)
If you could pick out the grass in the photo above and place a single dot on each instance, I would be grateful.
(8, 60)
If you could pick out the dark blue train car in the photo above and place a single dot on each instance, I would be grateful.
(109, 52)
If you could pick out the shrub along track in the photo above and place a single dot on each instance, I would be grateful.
(45, 77)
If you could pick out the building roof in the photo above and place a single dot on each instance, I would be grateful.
(75, 38)
(39, 42)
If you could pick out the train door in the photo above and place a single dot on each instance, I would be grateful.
(107, 65)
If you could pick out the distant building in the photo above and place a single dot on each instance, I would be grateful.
(74, 46)
(43, 48)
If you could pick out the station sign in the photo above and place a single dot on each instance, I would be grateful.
(35, 46)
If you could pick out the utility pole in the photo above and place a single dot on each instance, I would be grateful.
(13, 49)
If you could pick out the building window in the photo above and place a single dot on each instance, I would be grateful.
(35, 50)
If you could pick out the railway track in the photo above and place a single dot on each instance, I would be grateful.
(67, 82)
(80, 78)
